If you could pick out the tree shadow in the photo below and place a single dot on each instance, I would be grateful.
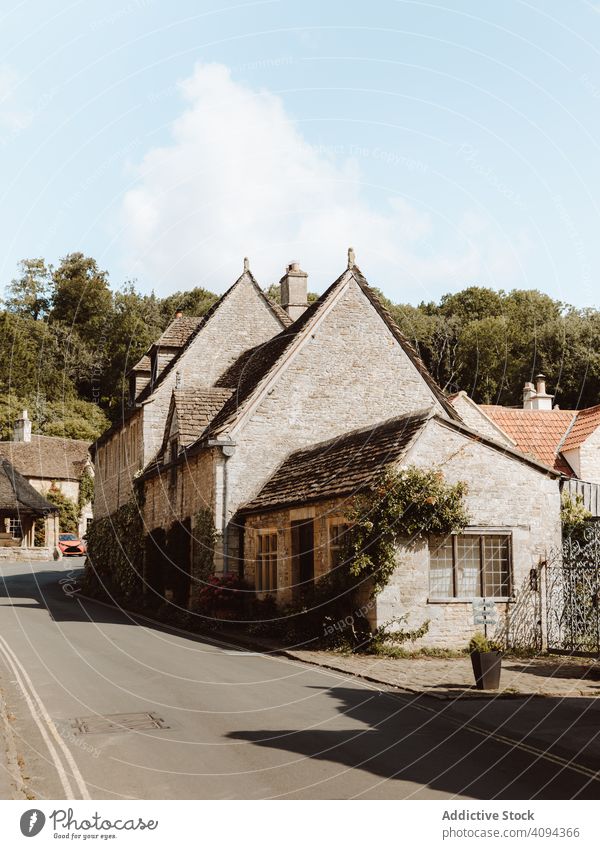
(399, 742)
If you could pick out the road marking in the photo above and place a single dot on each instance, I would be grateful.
(41, 711)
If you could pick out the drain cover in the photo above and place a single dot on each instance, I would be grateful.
(118, 722)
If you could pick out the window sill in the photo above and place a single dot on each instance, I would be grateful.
(498, 600)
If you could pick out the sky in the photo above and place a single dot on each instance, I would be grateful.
(450, 144)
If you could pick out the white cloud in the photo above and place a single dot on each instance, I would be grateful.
(239, 179)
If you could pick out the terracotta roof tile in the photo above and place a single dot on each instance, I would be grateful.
(586, 422)
(535, 432)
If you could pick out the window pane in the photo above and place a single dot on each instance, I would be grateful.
(468, 582)
(496, 553)
(440, 569)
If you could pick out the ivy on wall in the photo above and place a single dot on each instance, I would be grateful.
(68, 514)
(86, 490)
(403, 505)
(114, 564)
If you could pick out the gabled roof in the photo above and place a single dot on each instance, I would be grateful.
(253, 368)
(585, 423)
(350, 463)
(247, 275)
(535, 432)
(17, 494)
(48, 457)
(339, 467)
(178, 332)
(143, 365)
(196, 408)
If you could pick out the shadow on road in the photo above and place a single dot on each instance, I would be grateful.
(412, 745)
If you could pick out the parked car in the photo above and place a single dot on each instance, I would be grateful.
(71, 545)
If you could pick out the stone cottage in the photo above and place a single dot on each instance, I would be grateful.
(22, 506)
(47, 461)
(567, 440)
(273, 440)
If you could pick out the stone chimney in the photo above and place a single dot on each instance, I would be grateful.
(293, 286)
(22, 429)
(536, 397)
(178, 313)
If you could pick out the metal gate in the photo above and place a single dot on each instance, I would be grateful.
(572, 595)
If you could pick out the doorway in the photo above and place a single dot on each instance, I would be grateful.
(303, 555)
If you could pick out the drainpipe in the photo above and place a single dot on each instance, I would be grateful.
(221, 495)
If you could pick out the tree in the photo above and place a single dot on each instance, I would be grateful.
(196, 302)
(68, 514)
(29, 294)
(81, 297)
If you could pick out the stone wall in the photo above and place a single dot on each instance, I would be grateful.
(585, 460)
(349, 373)
(504, 494)
(476, 419)
(118, 461)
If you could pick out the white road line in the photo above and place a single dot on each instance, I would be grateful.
(41, 711)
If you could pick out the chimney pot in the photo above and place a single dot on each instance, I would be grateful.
(293, 287)
(22, 428)
(179, 313)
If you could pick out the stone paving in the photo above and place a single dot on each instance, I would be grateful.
(451, 678)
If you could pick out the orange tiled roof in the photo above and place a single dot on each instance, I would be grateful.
(584, 425)
(536, 432)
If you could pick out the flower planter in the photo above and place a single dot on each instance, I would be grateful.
(486, 669)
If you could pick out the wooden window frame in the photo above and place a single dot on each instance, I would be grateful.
(264, 557)
(333, 522)
(482, 535)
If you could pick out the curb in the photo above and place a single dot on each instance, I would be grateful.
(241, 641)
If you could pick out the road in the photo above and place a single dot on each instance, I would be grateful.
(236, 724)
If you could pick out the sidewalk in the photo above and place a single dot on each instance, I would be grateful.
(452, 678)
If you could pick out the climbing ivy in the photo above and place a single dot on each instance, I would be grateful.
(402, 505)
(86, 490)
(68, 515)
(116, 554)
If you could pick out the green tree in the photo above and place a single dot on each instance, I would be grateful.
(81, 296)
(29, 294)
(68, 513)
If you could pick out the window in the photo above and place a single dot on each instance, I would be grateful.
(337, 531)
(266, 562)
(15, 529)
(470, 566)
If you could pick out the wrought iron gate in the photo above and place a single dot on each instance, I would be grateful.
(573, 594)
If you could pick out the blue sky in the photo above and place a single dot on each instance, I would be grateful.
(449, 144)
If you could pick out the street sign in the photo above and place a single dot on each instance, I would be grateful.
(484, 612)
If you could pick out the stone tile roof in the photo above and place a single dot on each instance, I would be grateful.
(17, 494)
(339, 467)
(279, 313)
(585, 423)
(253, 367)
(179, 331)
(196, 408)
(48, 457)
(536, 432)
(143, 365)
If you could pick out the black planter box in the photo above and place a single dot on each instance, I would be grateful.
(486, 668)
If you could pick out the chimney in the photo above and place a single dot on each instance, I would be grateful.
(536, 398)
(178, 313)
(293, 287)
(22, 429)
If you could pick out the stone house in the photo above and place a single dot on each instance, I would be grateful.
(49, 461)
(567, 440)
(271, 443)
(21, 505)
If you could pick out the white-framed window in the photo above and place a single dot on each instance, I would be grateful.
(470, 565)
(266, 561)
(337, 540)
(15, 529)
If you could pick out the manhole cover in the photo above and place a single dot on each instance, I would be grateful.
(118, 722)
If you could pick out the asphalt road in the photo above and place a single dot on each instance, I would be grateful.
(238, 724)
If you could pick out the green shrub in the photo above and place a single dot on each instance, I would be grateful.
(115, 555)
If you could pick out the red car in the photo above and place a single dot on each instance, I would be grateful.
(71, 545)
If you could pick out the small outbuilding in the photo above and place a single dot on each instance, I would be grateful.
(23, 511)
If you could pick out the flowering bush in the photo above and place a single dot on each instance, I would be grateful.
(221, 594)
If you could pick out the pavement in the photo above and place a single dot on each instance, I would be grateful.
(108, 706)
